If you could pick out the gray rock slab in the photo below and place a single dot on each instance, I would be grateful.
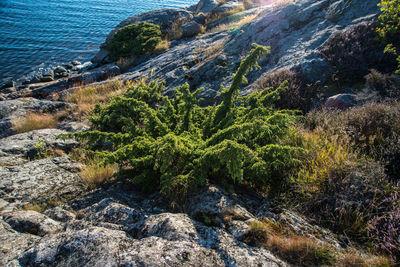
(40, 181)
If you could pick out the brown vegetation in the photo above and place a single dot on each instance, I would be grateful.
(295, 249)
(306, 251)
(86, 97)
(35, 121)
(94, 175)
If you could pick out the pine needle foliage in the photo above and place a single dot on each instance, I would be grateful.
(134, 40)
(174, 145)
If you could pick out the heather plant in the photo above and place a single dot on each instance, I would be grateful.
(338, 187)
(174, 145)
(373, 129)
(387, 85)
(299, 95)
(385, 227)
(353, 52)
(353, 156)
(134, 40)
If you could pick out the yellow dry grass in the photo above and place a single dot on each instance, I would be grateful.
(205, 55)
(233, 25)
(86, 97)
(94, 175)
(355, 259)
(325, 154)
(307, 251)
(35, 121)
(281, 240)
(163, 45)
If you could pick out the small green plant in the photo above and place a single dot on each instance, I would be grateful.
(41, 149)
(173, 144)
(389, 26)
(134, 40)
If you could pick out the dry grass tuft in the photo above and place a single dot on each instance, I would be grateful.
(35, 121)
(301, 250)
(355, 259)
(326, 153)
(208, 54)
(295, 249)
(234, 25)
(94, 175)
(86, 97)
(213, 17)
(163, 45)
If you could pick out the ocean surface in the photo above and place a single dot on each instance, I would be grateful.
(40, 33)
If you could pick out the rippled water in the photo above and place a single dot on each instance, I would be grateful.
(34, 32)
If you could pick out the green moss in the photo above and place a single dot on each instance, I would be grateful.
(134, 40)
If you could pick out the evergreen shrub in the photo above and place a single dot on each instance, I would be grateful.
(174, 145)
(134, 40)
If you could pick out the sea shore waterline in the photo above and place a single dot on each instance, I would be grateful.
(39, 33)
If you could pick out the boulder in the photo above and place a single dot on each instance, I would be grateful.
(90, 76)
(47, 76)
(301, 226)
(110, 211)
(73, 126)
(32, 222)
(341, 101)
(191, 29)
(59, 214)
(170, 226)
(200, 18)
(165, 18)
(8, 83)
(60, 72)
(102, 57)
(234, 252)
(212, 204)
(206, 5)
(228, 7)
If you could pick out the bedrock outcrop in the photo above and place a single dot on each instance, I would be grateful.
(296, 31)
(118, 225)
(48, 217)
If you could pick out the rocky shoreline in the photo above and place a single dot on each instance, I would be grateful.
(49, 217)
